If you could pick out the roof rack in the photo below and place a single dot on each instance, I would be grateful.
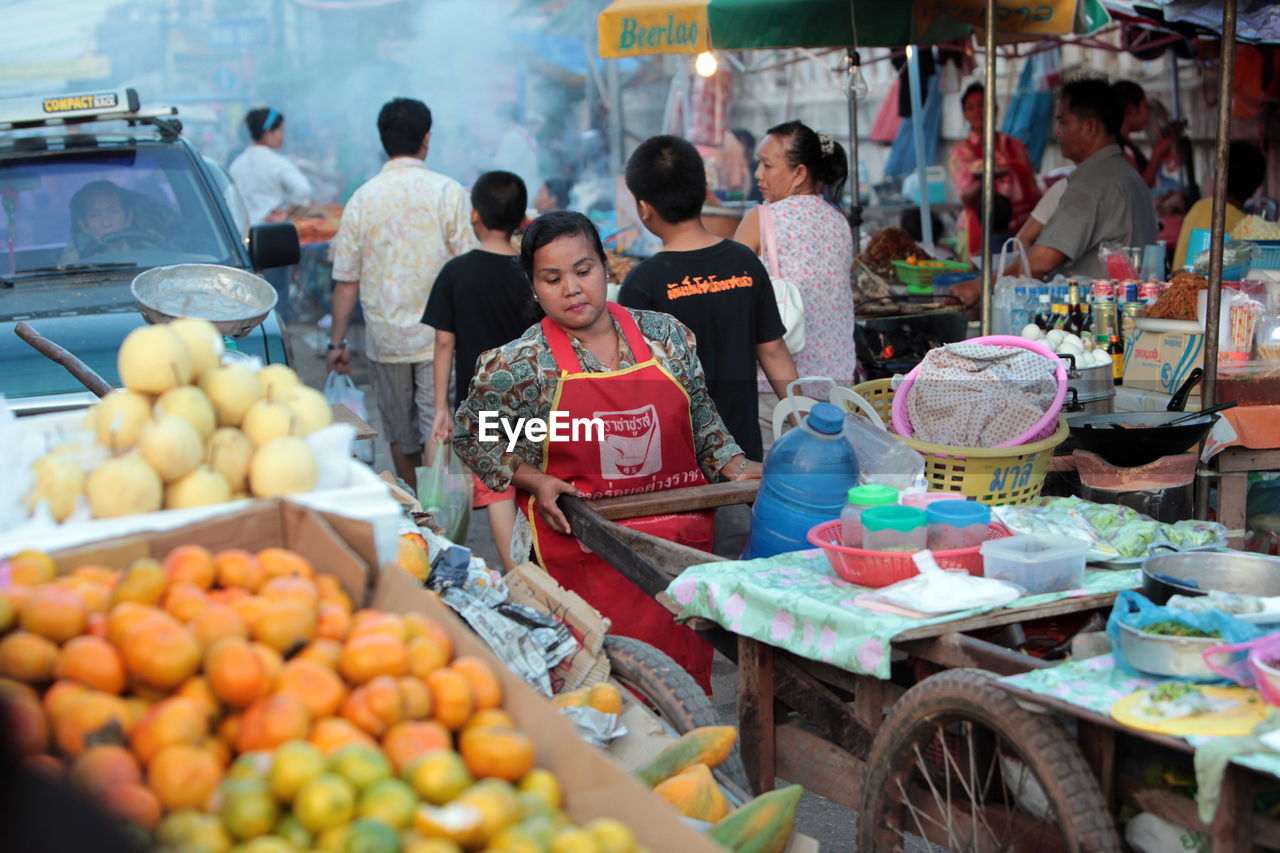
(83, 108)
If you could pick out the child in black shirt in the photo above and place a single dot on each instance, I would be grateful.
(479, 302)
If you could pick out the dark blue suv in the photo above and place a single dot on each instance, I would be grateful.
(94, 190)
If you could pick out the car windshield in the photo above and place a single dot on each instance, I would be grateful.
(143, 207)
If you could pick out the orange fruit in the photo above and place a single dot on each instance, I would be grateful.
(185, 601)
(218, 749)
(412, 559)
(160, 652)
(491, 718)
(96, 596)
(60, 696)
(104, 766)
(32, 568)
(317, 687)
(280, 562)
(485, 688)
(359, 711)
(330, 590)
(416, 698)
(216, 622)
(332, 621)
(492, 753)
(249, 609)
(378, 621)
(91, 714)
(239, 568)
(46, 764)
(190, 564)
(27, 657)
(323, 651)
(197, 691)
(93, 662)
(451, 698)
(426, 656)
(418, 625)
(285, 625)
(183, 776)
(331, 734)
(272, 660)
(235, 673)
(28, 727)
(143, 582)
(135, 803)
(166, 723)
(366, 656)
(438, 776)
(54, 612)
(269, 722)
(605, 698)
(291, 588)
(96, 574)
(123, 616)
(405, 741)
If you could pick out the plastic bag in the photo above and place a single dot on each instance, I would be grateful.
(1119, 261)
(937, 591)
(1003, 305)
(882, 458)
(1137, 611)
(445, 491)
(340, 390)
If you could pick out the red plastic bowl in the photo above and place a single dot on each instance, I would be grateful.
(882, 568)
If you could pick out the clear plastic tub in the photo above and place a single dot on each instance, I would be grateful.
(1036, 563)
(894, 528)
(957, 524)
(861, 498)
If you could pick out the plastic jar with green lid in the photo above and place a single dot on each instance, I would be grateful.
(860, 498)
(894, 528)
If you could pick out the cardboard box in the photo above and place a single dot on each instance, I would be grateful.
(1159, 361)
(593, 786)
(530, 585)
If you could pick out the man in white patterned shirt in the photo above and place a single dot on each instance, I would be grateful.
(398, 230)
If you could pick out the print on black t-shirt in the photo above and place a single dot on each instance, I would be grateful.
(724, 295)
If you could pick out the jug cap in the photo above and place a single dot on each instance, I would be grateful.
(873, 494)
(900, 518)
(958, 513)
(826, 419)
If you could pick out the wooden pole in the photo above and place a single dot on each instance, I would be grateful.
(988, 165)
(83, 373)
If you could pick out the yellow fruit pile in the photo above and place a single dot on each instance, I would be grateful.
(232, 698)
(185, 431)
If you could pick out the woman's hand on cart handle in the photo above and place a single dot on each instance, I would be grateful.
(545, 489)
(740, 468)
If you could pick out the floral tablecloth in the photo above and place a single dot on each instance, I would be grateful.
(797, 602)
(1095, 684)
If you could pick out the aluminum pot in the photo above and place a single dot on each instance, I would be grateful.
(1163, 655)
(1197, 572)
(234, 300)
(1091, 383)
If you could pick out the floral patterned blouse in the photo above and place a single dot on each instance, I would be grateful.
(815, 250)
(519, 380)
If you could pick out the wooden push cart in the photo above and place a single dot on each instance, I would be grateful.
(942, 750)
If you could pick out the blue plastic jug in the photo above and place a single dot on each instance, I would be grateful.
(807, 476)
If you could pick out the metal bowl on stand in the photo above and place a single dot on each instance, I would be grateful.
(1198, 572)
(234, 300)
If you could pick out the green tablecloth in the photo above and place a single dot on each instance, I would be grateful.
(1095, 684)
(797, 602)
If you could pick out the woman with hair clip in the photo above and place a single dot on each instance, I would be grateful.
(801, 175)
(637, 374)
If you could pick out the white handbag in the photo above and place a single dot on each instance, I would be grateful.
(785, 291)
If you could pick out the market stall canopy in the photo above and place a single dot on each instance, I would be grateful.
(641, 27)
(1258, 21)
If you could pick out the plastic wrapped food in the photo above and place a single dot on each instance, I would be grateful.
(1193, 534)
(1132, 538)
(1228, 602)
(1172, 699)
(1256, 228)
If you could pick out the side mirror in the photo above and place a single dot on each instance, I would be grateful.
(273, 244)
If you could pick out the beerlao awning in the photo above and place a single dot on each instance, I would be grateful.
(644, 27)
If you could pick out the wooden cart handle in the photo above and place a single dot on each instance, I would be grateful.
(83, 373)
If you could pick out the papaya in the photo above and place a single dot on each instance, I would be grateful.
(694, 793)
(709, 745)
(761, 826)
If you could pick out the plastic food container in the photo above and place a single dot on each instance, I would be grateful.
(957, 524)
(861, 498)
(894, 528)
(922, 500)
(1036, 563)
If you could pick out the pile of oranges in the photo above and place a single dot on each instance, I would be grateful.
(234, 700)
(926, 264)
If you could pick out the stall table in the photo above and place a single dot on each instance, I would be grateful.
(1246, 439)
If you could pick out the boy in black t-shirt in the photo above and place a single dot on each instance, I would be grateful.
(479, 302)
(716, 287)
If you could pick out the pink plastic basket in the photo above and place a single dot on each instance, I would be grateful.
(882, 568)
(1042, 428)
(1257, 668)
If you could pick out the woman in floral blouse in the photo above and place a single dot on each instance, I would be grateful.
(636, 415)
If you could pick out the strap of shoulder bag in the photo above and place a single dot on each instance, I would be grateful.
(767, 241)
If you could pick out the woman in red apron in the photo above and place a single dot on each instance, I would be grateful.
(631, 386)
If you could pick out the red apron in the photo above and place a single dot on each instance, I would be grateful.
(647, 447)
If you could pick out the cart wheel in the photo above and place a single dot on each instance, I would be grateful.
(671, 693)
(959, 762)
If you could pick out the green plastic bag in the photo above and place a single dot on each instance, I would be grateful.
(445, 491)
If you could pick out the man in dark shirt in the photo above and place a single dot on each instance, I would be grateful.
(480, 301)
(716, 287)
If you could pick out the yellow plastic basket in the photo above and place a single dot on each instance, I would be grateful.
(990, 475)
